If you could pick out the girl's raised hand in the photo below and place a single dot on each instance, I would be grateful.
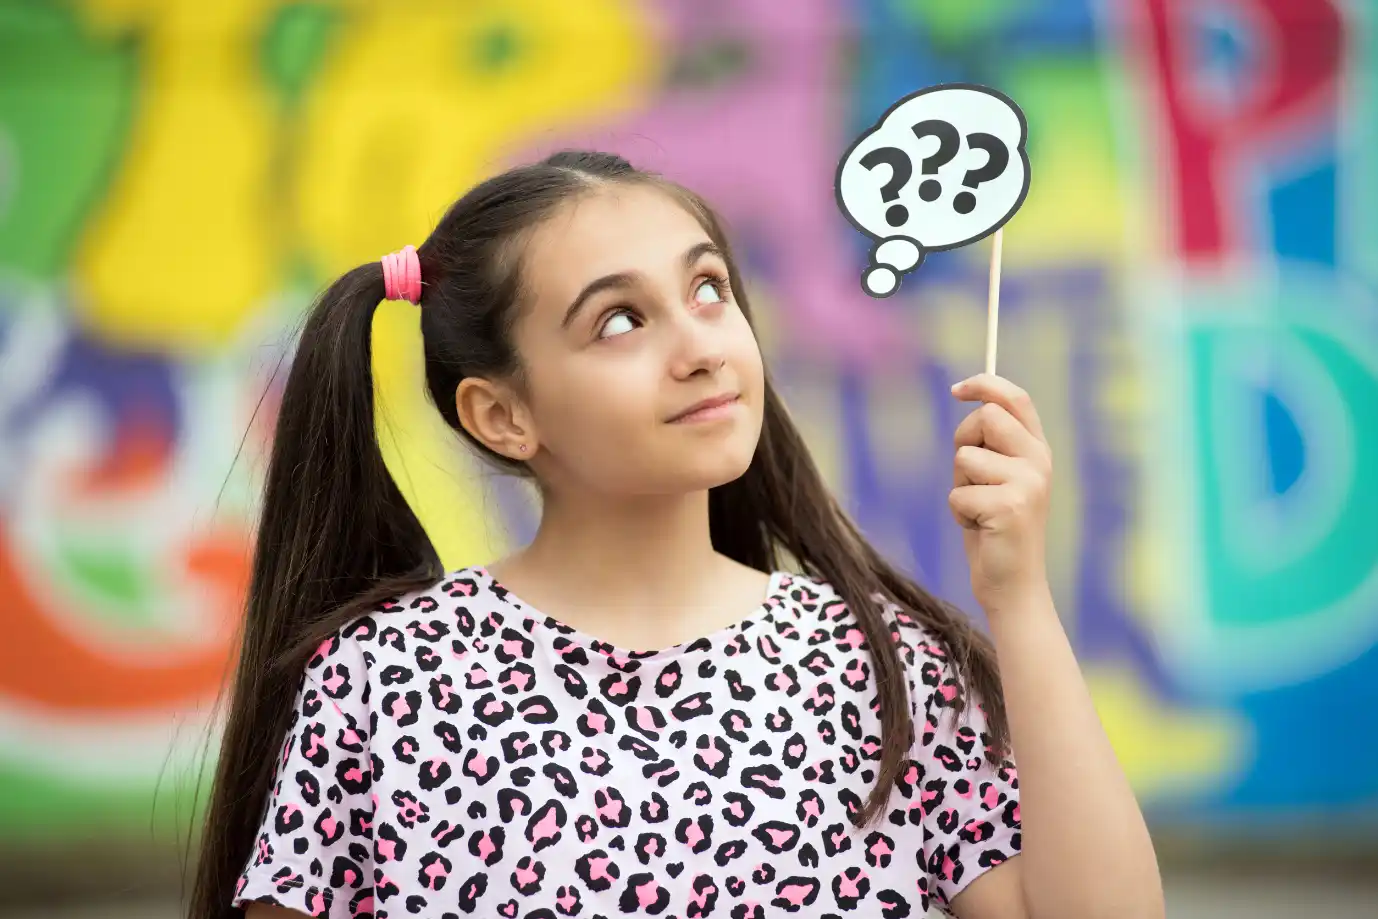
(1002, 477)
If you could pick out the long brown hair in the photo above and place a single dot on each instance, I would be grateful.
(336, 535)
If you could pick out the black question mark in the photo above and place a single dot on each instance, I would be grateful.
(999, 154)
(900, 171)
(949, 141)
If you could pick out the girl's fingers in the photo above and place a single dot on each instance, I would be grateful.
(980, 466)
(986, 387)
(993, 427)
(973, 504)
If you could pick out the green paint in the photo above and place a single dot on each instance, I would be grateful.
(294, 46)
(66, 103)
(497, 47)
(1250, 581)
(955, 22)
(710, 64)
(1359, 218)
(115, 576)
(36, 806)
(1065, 100)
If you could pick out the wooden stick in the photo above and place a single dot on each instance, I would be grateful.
(993, 303)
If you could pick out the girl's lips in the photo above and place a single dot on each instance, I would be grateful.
(708, 409)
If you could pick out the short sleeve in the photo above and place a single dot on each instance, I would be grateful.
(968, 799)
(314, 849)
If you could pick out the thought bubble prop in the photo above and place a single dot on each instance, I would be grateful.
(943, 167)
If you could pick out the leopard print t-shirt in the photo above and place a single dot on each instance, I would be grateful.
(458, 753)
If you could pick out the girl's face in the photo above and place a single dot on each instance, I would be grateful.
(628, 325)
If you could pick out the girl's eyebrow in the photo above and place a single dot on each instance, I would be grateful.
(624, 279)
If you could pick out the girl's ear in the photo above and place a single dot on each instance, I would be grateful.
(496, 417)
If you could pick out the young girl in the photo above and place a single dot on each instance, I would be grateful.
(643, 711)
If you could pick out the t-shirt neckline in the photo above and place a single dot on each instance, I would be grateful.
(762, 614)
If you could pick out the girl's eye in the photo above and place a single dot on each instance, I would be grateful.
(619, 323)
(715, 286)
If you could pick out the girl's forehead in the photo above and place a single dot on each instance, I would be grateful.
(607, 231)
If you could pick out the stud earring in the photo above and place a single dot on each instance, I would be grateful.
(522, 448)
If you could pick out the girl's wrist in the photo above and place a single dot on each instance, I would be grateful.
(1030, 598)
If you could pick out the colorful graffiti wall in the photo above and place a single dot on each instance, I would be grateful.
(1189, 293)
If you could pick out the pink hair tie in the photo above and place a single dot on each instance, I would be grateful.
(402, 275)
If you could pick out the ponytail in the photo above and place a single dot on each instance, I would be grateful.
(335, 537)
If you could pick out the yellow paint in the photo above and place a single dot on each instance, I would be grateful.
(410, 109)
(431, 463)
(183, 247)
(1164, 750)
(404, 118)
(1075, 208)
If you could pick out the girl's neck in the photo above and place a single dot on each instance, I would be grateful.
(627, 550)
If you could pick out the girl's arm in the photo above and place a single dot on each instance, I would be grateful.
(1086, 851)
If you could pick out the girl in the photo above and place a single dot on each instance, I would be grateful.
(642, 711)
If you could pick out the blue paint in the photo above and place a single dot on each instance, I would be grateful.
(1303, 212)
(1286, 450)
(1313, 744)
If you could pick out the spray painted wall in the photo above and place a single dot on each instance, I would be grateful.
(1189, 294)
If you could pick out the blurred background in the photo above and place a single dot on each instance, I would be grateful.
(1189, 294)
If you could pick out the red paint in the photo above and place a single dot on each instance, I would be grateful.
(1202, 150)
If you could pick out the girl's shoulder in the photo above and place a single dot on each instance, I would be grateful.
(921, 647)
(455, 608)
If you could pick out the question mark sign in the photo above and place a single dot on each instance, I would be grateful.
(999, 154)
(948, 143)
(900, 171)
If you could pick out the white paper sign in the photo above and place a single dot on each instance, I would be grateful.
(944, 166)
